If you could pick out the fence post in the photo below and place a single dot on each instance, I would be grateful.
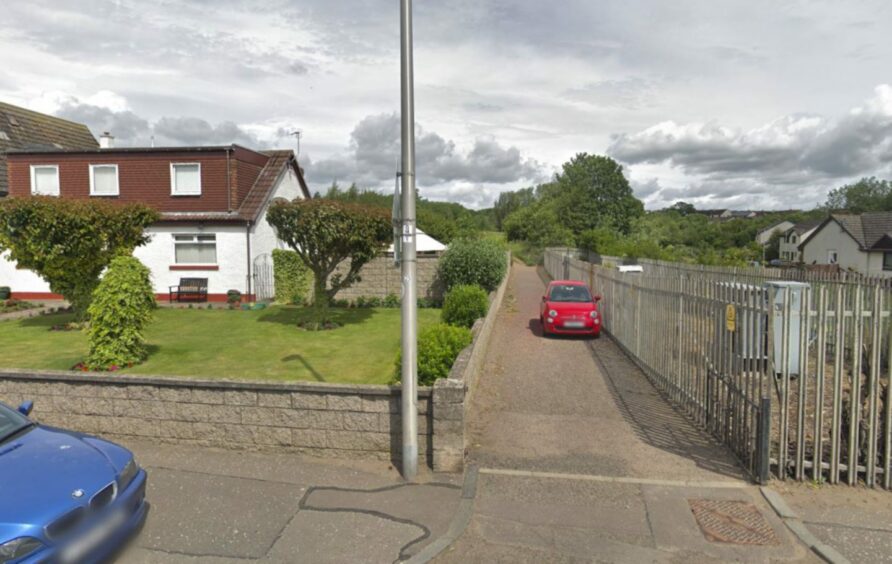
(763, 442)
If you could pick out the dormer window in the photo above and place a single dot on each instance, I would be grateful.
(104, 180)
(45, 180)
(185, 179)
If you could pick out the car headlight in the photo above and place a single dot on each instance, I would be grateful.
(131, 469)
(18, 548)
(594, 314)
(552, 313)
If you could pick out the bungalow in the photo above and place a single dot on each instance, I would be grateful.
(791, 239)
(862, 243)
(212, 201)
(24, 129)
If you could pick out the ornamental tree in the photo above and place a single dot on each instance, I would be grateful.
(69, 243)
(324, 233)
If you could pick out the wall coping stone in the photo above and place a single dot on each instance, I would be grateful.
(113, 378)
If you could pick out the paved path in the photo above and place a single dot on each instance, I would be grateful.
(581, 459)
(219, 506)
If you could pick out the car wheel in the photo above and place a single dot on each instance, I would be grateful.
(542, 325)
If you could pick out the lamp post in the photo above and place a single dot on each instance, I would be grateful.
(409, 369)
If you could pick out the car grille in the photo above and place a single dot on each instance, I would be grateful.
(104, 497)
(65, 524)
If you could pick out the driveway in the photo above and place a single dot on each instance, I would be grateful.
(580, 459)
(222, 506)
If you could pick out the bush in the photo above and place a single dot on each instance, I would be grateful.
(121, 306)
(481, 262)
(438, 347)
(233, 297)
(291, 276)
(391, 301)
(464, 305)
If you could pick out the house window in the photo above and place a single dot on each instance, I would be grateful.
(832, 257)
(887, 261)
(104, 180)
(45, 180)
(793, 238)
(195, 249)
(185, 179)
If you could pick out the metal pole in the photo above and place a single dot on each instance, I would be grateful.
(409, 304)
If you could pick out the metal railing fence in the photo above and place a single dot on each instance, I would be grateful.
(793, 378)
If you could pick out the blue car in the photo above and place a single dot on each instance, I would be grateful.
(65, 497)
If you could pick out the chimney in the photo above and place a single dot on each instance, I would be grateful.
(106, 140)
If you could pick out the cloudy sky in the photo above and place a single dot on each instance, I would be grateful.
(742, 104)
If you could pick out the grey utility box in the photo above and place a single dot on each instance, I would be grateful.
(777, 294)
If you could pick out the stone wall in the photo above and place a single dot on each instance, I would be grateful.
(381, 277)
(315, 419)
(452, 396)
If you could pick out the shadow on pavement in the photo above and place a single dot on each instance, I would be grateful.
(654, 420)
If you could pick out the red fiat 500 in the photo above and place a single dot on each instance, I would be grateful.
(568, 308)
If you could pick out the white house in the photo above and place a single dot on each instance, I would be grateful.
(791, 239)
(212, 201)
(862, 243)
(763, 236)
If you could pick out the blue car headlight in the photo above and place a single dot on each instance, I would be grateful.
(18, 548)
(131, 469)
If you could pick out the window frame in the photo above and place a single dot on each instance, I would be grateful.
(195, 235)
(887, 254)
(117, 181)
(835, 254)
(34, 168)
(173, 179)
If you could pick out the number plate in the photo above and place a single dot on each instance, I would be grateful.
(574, 324)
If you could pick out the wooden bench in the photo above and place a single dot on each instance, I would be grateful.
(189, 290)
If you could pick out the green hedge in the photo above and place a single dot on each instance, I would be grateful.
(122, 304)
(464, 305)
(466, 262)
(438, 347)
(292, 277)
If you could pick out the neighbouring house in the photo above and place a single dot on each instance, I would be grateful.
(793, 237)
(212, 201)
(24, 129)
(857, 242)
(764, 236)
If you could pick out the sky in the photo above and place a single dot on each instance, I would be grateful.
(751, 104)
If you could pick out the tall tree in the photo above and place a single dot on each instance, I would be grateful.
(593, 192)
(868, 194)
(69, 243)
(325, 233)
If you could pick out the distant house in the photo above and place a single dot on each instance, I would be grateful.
(212, 202)
(793, 237)
(862, 243)
(764, 236)
(26, 130)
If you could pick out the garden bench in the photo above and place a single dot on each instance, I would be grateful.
(189, 290)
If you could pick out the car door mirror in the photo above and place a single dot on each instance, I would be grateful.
(598, 298)
(544, 299)
(26, 407)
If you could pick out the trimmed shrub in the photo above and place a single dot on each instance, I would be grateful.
(438, 347)
(467, 262)
(291, 276)
(464, 305)
(122, 304)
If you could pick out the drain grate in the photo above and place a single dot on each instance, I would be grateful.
(732, 522)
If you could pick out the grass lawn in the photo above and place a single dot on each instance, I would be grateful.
(263, 345)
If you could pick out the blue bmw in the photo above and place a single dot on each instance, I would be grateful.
(65, 497)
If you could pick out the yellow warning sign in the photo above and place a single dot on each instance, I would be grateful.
(731, 318)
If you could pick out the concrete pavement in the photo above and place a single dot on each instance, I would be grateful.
(582, 460)
(222, 506)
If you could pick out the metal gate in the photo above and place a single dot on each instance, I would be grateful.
(264, 284)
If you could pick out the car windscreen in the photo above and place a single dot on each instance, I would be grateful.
(570, 293)
(10, 421)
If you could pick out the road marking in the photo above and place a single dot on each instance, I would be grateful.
(612, 479)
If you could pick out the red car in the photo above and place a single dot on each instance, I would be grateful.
(568, 308)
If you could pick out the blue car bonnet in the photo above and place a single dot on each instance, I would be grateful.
(43, 470)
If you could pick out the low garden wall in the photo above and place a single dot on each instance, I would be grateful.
(326, 420)
(381, 278)
(452, 396)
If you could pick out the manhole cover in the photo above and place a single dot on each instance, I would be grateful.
(733, 522)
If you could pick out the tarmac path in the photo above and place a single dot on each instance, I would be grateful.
(581, 459)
